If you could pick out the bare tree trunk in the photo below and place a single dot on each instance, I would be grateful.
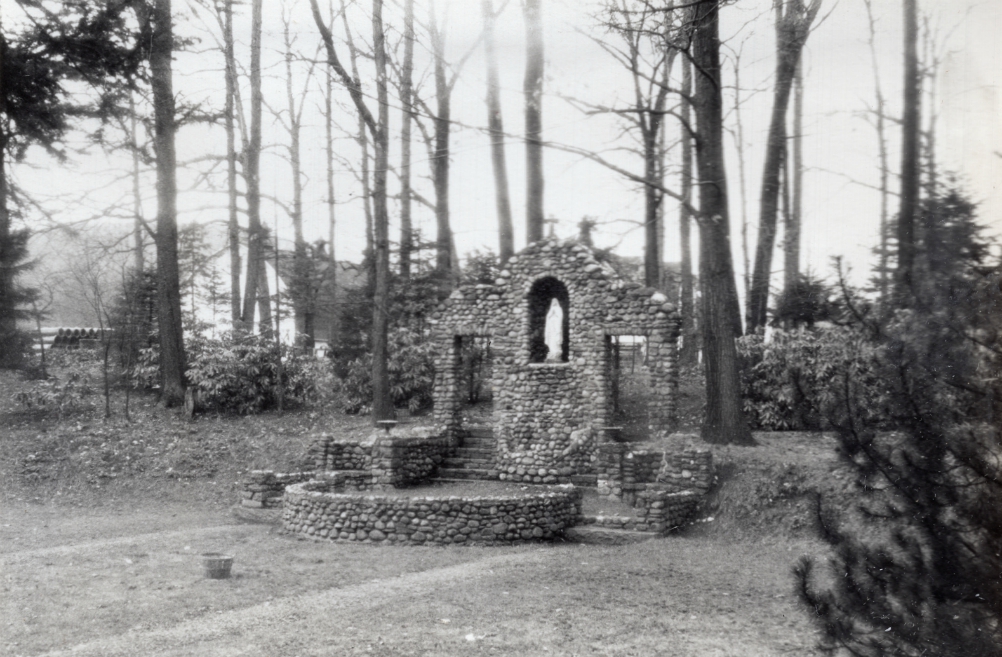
(363, 143)
(652, 125)
(690, 346)
(793, 22)
(263, 287)
(233, 223)
(885, 167)
(172, 358)
(791, 228)
(279, 365)
(652, 199)
(370, 246)
(407, 100)
(742, 188)
(440, 156)
(533, 91)
(138, 239)
(302, 284)
(252, 169)
(724, 421)
(37, 316)
(495, 127)
(662, 154)
(331, 278)
(929, 67)
(382, 404)
(910, 127)
(8, 308)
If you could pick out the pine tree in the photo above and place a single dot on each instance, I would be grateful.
(916, 570)
(69, 40)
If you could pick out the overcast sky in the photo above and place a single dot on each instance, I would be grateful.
(841, 207)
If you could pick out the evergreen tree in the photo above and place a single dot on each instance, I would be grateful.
(14, 297)
(71, 40)
(915, 570)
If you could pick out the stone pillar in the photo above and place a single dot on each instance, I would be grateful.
(663, 365)
(610, 468)
(448, 366)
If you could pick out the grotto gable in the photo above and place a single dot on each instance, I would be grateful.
(553, 381)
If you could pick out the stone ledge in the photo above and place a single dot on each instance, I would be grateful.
(312, 511)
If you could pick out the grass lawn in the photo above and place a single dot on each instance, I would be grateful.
(100, 545)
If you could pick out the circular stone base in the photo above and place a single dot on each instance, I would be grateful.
(478, 513)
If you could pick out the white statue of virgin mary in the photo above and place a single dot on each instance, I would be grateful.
(554, 332)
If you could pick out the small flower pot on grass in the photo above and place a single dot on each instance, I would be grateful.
(217, 565)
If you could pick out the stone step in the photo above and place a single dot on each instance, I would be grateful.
(614, 521)
(461, 458)
(479, 426)
(465, 473)
(599, 535)
(470, 441)
(460, 464)
(584, 479)
(269, 516)
(474, 453)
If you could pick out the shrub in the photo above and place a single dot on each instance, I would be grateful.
(71, 392)
(310, 381)
(410, 367)
(787, 382)
(806, 302)
(239, 374)
(234, 375)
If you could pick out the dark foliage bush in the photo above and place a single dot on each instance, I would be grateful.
(239, 374)
(15, 344)
(787, 382)
(72, 392)
(411, 370)
(410, 365)
(805, 303)
(915, 569)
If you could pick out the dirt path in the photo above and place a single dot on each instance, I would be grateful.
(11, 558)
(307, 621)
(679, 596)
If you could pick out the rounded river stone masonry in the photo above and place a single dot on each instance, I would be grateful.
(550, 408)
(326, 510)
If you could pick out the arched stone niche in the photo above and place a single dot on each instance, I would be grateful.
(542, 295)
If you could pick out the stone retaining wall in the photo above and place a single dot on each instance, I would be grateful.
(687, 469)
(656, 511)
(263, 489)
(664, 488)
(620, 468)
(330, 453)
(323, 510)
(393, 461)
(645, 464)
(408, 461)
